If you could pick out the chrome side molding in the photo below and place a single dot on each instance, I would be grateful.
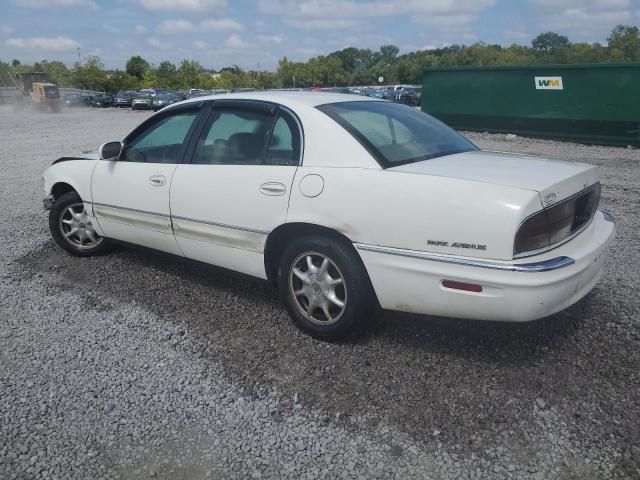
(543, 266)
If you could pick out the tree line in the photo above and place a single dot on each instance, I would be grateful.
(349, 66)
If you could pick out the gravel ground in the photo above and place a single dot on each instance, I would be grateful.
(137, 365)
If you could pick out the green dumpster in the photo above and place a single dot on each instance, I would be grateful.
(587, 103)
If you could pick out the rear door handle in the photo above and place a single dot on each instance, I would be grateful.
(157, 180)
(273, 188)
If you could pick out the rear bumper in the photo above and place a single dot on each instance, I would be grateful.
(524, 290)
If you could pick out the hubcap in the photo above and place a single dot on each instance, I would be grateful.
(318, 288)
(76, 228)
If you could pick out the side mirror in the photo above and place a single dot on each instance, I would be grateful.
(110, 150)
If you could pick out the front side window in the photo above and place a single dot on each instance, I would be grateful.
(396, 134)
(234, 137)
(163, 142)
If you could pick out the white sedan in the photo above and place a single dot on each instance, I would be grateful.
(346, 203)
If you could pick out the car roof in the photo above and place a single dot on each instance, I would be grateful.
(290, 99)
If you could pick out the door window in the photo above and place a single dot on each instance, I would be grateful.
(162, 142)
(234, 137)
(284, 147)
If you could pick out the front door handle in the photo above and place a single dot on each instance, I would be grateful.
(157, 180)
(273, 188)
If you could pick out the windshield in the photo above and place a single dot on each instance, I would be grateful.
(397, 134)
(51, 92)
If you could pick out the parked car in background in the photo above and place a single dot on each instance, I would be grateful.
(345, 202)
(162, 100)
(373, 93)
(101, 101)
(199, 93)
(410, 96)
(76, 100)
(195, 92)
(179, 96)
(123, 99)
(142, 101)
(388, 93)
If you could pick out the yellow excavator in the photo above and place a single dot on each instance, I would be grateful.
(36, 91)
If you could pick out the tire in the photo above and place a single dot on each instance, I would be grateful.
(343, 281)
(68, 213)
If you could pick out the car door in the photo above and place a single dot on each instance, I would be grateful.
(131, 193)
(236, 187)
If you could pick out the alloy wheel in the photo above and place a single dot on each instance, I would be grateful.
(318, 288)
(76, 227)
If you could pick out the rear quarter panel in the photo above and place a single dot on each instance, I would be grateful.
(403, 210)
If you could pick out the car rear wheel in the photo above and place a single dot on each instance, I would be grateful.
(72, 228)
(325, 287)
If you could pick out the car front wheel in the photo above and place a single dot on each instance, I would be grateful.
(72, 228)
(325, 287)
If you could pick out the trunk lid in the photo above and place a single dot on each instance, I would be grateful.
(554, 180)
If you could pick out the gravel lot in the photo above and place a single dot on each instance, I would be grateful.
(137, 365)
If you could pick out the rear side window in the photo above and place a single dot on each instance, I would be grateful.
(397, 134)
(245, 136)
(234, 137)
(284, 147)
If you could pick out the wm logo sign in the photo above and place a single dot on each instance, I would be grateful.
(548, 83)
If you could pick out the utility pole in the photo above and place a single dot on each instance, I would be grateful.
(79, 61)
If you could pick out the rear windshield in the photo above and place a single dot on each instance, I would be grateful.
(397, 134)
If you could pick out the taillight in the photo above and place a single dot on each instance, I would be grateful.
(555, 224)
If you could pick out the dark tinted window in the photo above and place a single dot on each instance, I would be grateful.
(284, 147)
(162, 142)
(234, 137)
(396, 134)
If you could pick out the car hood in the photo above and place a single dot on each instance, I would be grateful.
(554, 180)
(89, 155)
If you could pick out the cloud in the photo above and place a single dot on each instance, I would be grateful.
(6, 29)
(54, 3)
(199, 44)
(56, 44)
(594, 4)
(176, 26)
(371, 8)
(140, 29)
(172, 27)
(220, 25)
(155, 42)
(320, 23)
(581, 17)
(235, 41)
(270, 39)
(181, 5)
(445, 22)
(321, 14)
